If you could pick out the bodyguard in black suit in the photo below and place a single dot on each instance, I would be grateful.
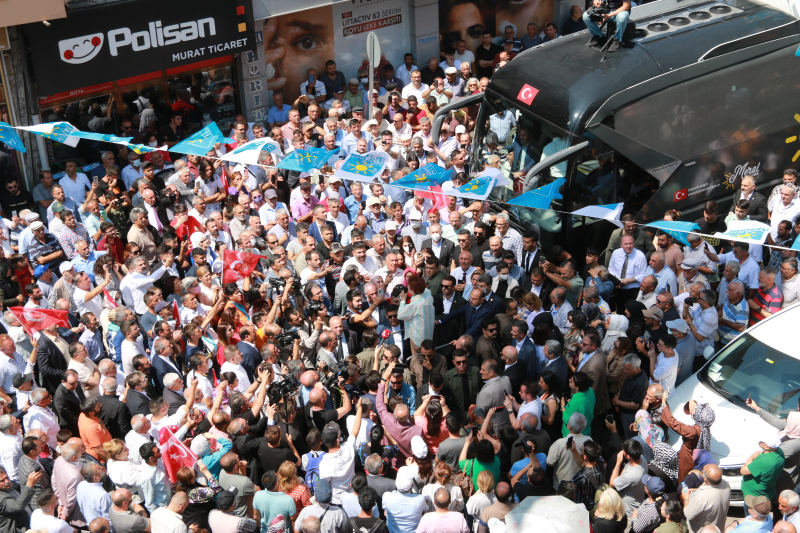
(472, 314)
(164, 362)
(251, 357)
(516, 372)
(114, 413)
(174, 400)
(758, 203)
(67, 402)
(544, 283)
(50, 363)
(447, 251)
(138, 403)
(451, 331)
(532, 254)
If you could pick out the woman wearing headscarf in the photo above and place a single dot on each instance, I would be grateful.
(594, 317)
(616, 326)
(661, 455)
(615, 364)
(703, 417)
(633, 310)
(547, 318)
(788, 434)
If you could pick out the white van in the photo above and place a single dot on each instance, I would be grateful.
(763, 362)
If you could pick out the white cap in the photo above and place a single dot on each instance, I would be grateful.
(66, 266)
(390, 226)
(451, 70)
(460, 129)
(415, 215)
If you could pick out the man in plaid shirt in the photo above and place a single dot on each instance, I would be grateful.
(768, 299)
(71, 234)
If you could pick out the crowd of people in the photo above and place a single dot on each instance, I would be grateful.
(397, 362)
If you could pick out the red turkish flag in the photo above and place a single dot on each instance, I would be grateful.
(174, 453)
(109, 299)
(35, 320)
(236, 266)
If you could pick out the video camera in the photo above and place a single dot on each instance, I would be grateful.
(329, 381)
(283, 389)
(278, 284)
(312, 308)
(596, 13)
(286, 339)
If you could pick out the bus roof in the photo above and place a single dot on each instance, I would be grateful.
(573, 81)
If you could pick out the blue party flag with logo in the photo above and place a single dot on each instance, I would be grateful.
(65, 128)
(428, 175)
(63, 133)
(248, 154)
(142, 149)
(540, 198)
(9, 137)
(201, 142)
(748, 231)
(363, 167)
(305, 160)
(477, 189)
(676, 229)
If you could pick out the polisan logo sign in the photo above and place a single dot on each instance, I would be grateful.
(78, 50)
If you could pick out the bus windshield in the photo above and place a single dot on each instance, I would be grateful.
(747, 367)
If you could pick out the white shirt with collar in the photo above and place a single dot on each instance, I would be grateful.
(10, 452)
(241, 374)
(637, 266)
(44, 419)
(447, 304)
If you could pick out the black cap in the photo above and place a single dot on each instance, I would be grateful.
(20, 379)
(226, 498)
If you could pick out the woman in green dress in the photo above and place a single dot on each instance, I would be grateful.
(582, 402)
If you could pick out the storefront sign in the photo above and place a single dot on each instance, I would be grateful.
(253, 73)
(112, 42)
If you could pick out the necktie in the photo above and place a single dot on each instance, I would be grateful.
(340, 352)
(624, 268)
(464, 278)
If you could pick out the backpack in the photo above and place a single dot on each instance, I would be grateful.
(312, 470)
(375, 527)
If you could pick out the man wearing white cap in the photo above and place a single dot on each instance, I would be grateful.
(416, 230)
(453, 83)
(403, 509)
(376, 218)
(25, 235)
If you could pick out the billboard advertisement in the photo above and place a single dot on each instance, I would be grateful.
(296, 42)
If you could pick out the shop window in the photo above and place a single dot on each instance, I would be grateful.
(205, 97)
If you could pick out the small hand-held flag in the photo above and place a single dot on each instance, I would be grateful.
(174, 453)
(35, 320)
(237, 265)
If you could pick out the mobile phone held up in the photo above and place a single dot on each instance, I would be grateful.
(569, 443)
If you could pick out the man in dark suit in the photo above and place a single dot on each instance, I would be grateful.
(444, 249)
(758, 204)
(152, 204)
(473, 313)
(514, 369)
(526, 351)
(593, 364)
(173, 393)
(164, 363)
(251, 357)
(67, 401)
(492, 300)
(532, 254)
(143, 364)
(137, 400)
(315, 226)
(449, 332)
(555, 362)
(376, 480)
(113, 413)
(50, 360)
(540, 285)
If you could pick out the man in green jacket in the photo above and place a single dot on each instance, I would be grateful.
(464, 382)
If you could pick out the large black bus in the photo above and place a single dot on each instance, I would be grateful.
(706, 93)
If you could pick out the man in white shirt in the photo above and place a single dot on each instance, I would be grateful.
(41, 417)
(10, 445)
(199, 211)
(233, 360)
(464, 55)
(664, 366)
(628, 265)
(89, 299)
(133, 171)
(391, 274)
(785, 207)
(664, 276)
(88, 374)
(338, 465)
(415, 87)
(748, 268)
(135, 284)
(365, 264)
(75, 184)
(404, 72)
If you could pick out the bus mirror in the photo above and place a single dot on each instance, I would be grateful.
(549, 161)
(444, 111)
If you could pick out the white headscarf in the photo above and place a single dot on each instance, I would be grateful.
(617, 325)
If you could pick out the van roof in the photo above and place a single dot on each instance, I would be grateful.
(774, 331)
(573, 82)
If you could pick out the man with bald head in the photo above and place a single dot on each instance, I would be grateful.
(65, 480)
(783, 526)
(169, 517)
(316, 406)
(500, 508)
(647, 291)
(708, 504)
(513, 370)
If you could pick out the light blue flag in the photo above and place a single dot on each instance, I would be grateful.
(477, 189)
(305, 160)
(427, 175)
(540, 198)
(363, 167)
(610, 212)
(201, 142)
(142, 149)
(748, 231)
(9, 137)
(249, 153)
(676, 229)
(64, 135)
(65, 128)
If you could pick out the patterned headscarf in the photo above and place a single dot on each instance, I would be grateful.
(666, 458)
(649, 432)
(704, 416)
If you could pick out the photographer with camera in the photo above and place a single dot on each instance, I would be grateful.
(315, 409)
(600, 13)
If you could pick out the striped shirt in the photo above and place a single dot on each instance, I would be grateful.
(769, 301)
(736, 313)
(706, 324)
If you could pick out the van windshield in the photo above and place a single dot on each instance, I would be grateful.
(748, 367)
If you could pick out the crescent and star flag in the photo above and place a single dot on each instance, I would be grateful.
(109, 299)
(363, 167)
(201, 142)
(748, 231)
(236, 266)
(676, 229)
(247, 154)
(540, 198)
(35, 320)
(306, 160)
(9, 137)
(174, 453)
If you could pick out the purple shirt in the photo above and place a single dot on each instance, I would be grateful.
(301, 208)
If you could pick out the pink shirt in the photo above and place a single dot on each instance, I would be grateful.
(301, 208)
(450, 521)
